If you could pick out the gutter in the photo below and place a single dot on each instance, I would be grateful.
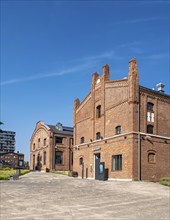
(139, 142)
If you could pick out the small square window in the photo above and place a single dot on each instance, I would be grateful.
(150, 106)
(150, 129)
(81, 140)
(58, 140)
(118, 130)
(98, 135)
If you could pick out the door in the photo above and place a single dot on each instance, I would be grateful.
(97, 166)
(33, 162)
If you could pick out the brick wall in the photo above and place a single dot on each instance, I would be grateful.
(119, 100)
(37, 149)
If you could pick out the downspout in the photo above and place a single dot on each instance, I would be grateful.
(53, 160)
(139, 141)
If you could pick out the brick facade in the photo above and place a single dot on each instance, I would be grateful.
(51, 147)
(113, 120)
(12, 160)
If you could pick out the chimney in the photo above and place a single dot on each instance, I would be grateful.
(105, 72)
(160, 87)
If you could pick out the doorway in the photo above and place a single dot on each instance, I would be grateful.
(97, 165)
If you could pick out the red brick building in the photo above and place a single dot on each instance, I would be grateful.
(122, 127)
(51, 147)
(12, 160)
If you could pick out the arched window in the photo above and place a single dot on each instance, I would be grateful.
(150, 129)
(151, 157)
(98, 135)
(98, 111)
(38, 142)
(45, 140)
(81, 140)
(150, 106)
(118, 129)
(81, 160)
(58, 157)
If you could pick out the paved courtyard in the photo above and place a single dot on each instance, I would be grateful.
(49, 196)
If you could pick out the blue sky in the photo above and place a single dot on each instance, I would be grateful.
(50, 49)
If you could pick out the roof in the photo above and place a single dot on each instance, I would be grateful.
(19, 154)
(64, 131)
(155, 92)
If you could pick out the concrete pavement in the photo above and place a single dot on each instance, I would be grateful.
(41, 196)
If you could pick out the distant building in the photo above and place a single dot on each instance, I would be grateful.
(51, 147)
(7, 141)
(123, 129)
(12, 160)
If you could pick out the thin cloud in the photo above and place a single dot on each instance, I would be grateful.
(157, 56)
(133, 46)
(60, 73)
(88, 62)
(98, 57)
(140, 20)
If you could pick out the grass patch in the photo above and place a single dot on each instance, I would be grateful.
(67, 173)
(165, 181)
(5, 173)
(23, 172)
(59, 172)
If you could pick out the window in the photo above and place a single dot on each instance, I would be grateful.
(151, 157)
(34, 146)
(81, 140)
(150, 106)
(44, 141)
(81, 160)
(58, 157)
(38, 142)
(118, 130)
(20, 163)
(98, 111)
(117, 162)
(150, 116)
(150, 129)
(71, 142)
(44, 157)
(98, 135)
(58, 140)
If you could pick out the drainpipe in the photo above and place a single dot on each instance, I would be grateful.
(139, 142)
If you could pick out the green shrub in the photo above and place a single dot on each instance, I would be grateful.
(6, 168)
(4, 177)
(6, 173)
